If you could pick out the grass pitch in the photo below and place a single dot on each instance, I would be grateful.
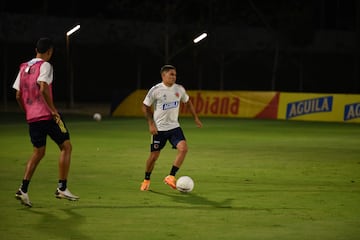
(254, 179)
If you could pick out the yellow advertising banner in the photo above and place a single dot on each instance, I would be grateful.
(319, 107)
(131, 105)
(246, 104)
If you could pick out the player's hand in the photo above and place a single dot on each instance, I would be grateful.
(56, 117)
(153, 130)
(198, 123)
(59, 122)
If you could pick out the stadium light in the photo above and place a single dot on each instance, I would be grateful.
(74, 29)
(200, 37)
(69, 65)
(196, 40)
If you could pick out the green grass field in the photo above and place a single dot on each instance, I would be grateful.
(254, 179)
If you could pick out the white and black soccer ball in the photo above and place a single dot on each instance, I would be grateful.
(97, 117)
(185, 184)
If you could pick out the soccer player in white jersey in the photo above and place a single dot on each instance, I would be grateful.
(161, 109)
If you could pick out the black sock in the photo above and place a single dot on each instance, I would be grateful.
(173, 171)
(25, 185)
(147, 175)
(62, 185)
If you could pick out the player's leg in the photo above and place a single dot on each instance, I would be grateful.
(182, 149)
(149, 166)
(157, 143)
(37, 155)
(64, 161)
(38, 139)
(31, 165)
(60, 134)
(178, 141)
(150, 162)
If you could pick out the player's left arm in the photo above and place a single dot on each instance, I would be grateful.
(191, 108)
(16, 86)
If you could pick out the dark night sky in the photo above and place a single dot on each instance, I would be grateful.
(327, 14)
(303, 63)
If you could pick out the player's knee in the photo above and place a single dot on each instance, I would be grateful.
(66, 146)
(40, 155)
(185, 150)
(182, 147)
(39, 152)
(154, 156)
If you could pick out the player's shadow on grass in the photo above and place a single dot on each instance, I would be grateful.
(194, 199)
(58, 225)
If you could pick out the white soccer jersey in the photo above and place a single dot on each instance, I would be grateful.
(166, 102)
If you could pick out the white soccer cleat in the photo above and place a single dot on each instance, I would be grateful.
(66, 195)
(23, 197)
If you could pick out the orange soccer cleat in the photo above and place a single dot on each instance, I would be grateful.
(145, 185)
(171, 181)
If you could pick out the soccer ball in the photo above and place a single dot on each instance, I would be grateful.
(185, 184)
(97, 117)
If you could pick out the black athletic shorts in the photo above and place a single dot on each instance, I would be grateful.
(174, 136)
(39, 131)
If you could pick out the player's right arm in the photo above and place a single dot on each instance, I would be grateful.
(44, 80)
(149, 118)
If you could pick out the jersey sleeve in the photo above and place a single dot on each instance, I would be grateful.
(16, 84)
(184, 96)
(46, 73)
(149, 98)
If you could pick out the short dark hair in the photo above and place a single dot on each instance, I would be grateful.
(166, 68)
(44, 44)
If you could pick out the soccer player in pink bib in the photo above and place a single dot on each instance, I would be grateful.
(161, 108)
(33, 87)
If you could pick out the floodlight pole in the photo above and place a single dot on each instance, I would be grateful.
(69, 65)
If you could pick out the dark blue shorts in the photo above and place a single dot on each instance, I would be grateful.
(41, 129)
(174, 136)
